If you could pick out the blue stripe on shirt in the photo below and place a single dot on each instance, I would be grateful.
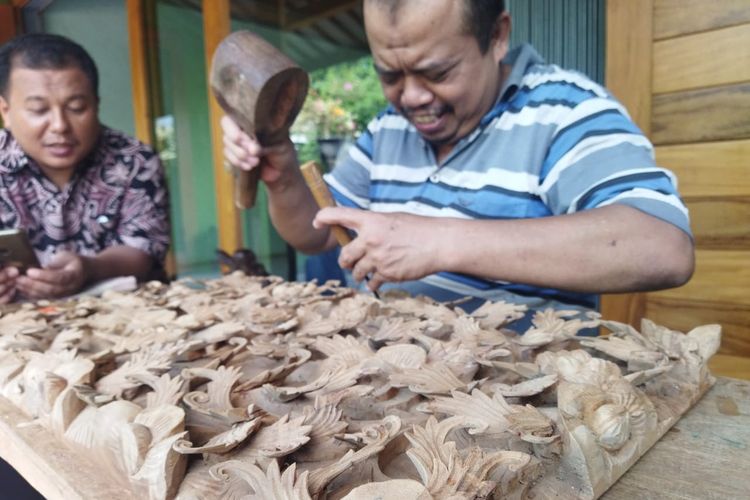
(605, 122)
(365, 144)
(489, 202)
(656, 181)
(583, 299)
(560, 91)
(341, 199)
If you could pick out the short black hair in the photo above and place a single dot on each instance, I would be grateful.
(480, 19)
(45, 51)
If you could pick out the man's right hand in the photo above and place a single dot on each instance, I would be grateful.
(290, 202)
(8, 277)
(245, 152)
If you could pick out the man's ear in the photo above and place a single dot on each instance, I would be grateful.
(5, 112)
(501, 37)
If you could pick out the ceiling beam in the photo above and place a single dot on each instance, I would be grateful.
(360, 37)
(304, 17)
(10, 24)
(258, 12)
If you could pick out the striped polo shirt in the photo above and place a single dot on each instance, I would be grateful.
(555, 142)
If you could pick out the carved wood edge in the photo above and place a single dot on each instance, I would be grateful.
(47, 462)
(702, 391)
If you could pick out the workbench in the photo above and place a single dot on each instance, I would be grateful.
(704, 456)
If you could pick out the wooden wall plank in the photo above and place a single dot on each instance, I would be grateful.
(710, 168)
(628, 76)
(216, 26)
(700, 123)
(623, 307)
(679, 17)
(718, 113)
(725, 365)
(721, 223)
(684, 315)
(629, 48)
(701, 60)
(720, 276)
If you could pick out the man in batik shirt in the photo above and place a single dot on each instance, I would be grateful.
(92, 200)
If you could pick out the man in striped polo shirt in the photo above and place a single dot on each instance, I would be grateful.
(491, 174)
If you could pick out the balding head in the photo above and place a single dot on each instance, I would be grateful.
(480, 16)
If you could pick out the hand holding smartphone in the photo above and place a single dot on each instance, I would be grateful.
(16, 250)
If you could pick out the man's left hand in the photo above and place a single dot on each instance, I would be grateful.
(64, 275)
(388, 248)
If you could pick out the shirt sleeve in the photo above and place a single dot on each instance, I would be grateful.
(599, 157)
(350, 180)
(144, 219)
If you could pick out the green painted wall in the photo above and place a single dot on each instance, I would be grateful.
(190, 175)
(100, 26)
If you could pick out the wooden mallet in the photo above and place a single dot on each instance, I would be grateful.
(262, 90)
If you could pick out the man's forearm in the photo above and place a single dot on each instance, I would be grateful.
(292, 209)
(120, 260)
(610, 249)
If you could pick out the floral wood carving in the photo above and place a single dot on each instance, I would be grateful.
(251, 387)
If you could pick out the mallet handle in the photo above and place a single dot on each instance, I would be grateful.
(322, 195)
(246, 187)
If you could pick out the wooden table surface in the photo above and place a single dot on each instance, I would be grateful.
(704, 456)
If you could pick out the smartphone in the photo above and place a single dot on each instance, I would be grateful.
(16, 250)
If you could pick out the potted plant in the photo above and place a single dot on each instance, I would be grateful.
(326, 123)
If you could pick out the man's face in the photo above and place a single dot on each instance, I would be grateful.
(52, 113)
(431, 69)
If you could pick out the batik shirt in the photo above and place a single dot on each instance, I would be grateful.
(554, 143)
(117, 196)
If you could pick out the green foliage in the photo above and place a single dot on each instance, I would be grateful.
(355, 84)
(324, 117)
(307, 151)
(342, 101)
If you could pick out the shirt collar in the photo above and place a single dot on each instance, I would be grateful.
(520, 59)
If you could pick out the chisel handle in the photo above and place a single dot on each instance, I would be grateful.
(321, 193)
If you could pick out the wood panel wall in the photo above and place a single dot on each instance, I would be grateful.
(682, 67)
